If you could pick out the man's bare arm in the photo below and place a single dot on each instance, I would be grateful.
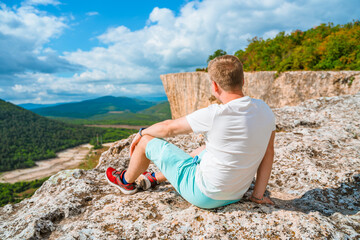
(168, 128)
(263, 174)
(163, 129)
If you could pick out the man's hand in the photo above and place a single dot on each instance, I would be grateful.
(167, 128)
(263, 200)
(134, 143)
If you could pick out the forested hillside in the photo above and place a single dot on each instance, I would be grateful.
(98, 106)
(161, 110)
(27, 137)
(14, 193)
(325, 47)
(148, 116)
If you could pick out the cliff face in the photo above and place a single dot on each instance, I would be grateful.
(188, 92)
(315, 187)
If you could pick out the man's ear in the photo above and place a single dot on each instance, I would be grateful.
(215, 86)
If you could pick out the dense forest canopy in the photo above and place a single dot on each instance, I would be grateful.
(27, 137)
(325, 47)
(14, 193)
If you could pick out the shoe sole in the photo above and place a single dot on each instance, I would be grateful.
(127, 192)
(145, 184)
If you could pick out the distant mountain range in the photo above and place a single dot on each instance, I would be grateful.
(106, 110)
(154, 99)
(89, 108)
(30, 106)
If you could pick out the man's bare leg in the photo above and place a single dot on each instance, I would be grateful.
(161, 178)
(197, 151)
(138, 161)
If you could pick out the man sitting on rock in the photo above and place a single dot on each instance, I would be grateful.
(239, 137)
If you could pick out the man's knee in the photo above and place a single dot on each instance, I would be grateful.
(144, 140)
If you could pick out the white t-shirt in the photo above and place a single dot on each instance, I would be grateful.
(236, 136)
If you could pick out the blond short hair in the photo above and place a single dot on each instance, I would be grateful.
(227, 72)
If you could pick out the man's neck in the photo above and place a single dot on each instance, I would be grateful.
(227, 97)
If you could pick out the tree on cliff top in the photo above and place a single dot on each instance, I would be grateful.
(217, 53)
(325, 47)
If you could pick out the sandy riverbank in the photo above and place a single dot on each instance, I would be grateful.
(67, 159)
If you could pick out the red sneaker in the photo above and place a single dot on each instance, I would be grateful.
(114, 178)
(148, 181)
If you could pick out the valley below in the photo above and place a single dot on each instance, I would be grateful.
(67, 159)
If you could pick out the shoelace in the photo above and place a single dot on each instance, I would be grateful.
(117, 175)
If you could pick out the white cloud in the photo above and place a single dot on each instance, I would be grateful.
(23, 89)
(270, 34)
(30, 24)
(92, 13)
(1, 90)
(173, 43)
(24, 31)
(46, 88)
(129, 62)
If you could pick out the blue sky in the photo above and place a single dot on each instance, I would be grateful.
(70, 50)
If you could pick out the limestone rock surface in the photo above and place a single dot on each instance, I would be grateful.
(187, 92)
(190, 91)
(315, 185)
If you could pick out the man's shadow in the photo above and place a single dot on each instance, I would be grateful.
(344, 199)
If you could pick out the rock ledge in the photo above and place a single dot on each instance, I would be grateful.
(315, 185)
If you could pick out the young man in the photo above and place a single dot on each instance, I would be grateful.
(239, 144)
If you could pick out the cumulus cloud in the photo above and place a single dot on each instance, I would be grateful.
(48, 88)
(23, 33)
(181, 42)
(129, 62)
(29, 23)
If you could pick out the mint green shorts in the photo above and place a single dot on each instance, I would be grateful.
(179, 169)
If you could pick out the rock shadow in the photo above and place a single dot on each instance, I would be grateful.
(344, 199)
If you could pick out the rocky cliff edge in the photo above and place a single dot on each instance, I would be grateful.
(190, 91)
(315, 185)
